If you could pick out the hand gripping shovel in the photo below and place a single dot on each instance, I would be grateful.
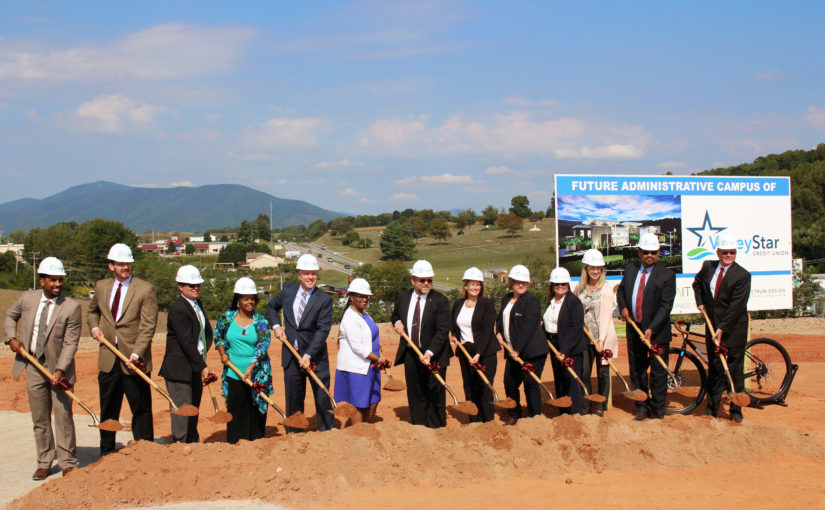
(553, 401)
(219, 416)
(465, 407)
(593, 398)
(110, 425)
(673, 379)
(342, 411)
(740, 399)
(637, 394)
(184, 410)
(507, 403)
(296, 421)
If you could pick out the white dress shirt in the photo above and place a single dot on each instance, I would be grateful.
(36, 328)
(551, 315)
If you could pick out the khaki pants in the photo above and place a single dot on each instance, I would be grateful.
(43, 398)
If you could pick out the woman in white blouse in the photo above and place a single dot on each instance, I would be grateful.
(598, 300)
(357, 380)
(563, 323)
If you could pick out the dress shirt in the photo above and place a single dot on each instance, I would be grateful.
(464, 321)
(123, 292)
(423, 298)
(296, 303)
(36, 328)
(201, 319)
(642, 269)
(551, 316)
(505, 320)
(716, 277)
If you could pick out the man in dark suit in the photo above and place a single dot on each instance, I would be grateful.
(721, 289)
(49, 329)
(307, 321)
(646, 295)
(124, 310)
(188, 338)
(425, 315)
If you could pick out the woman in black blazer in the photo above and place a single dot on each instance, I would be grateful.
(519, 324)
(564, 326)
(473, 324)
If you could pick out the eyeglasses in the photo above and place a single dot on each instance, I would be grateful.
(358, 296)
(193, 285)
(425, 280)
(727, 252)
(645, 252)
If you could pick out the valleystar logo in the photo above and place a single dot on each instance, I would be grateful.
(707, 232)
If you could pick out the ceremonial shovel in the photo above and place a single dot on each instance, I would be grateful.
(553, 401)
(740, 399)
(676, 383)
(637, 394)
(184, 410)
(110, 425)
(587, 395)
(219, 416)
(507, 403)
(296, 421)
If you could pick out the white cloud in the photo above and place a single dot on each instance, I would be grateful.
(521, 132)
(520, 101)
(816, 117)
(672, 165)
(112, 113)
(434, 180)
(285, 133)
(770, 76)
(348, 192)
(182, 184)
(499, 170)
(254, 156)
(404, 196)
(344, 163)
(162, 52)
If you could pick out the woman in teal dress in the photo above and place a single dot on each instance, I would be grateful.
(242, 337)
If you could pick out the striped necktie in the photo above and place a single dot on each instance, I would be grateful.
(301, 306)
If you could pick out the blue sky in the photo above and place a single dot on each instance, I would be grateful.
(372, 106)
(615, 207)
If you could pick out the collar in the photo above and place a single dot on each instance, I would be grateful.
(44, 299)
(191, 302)
(725, 267)
(125, 282)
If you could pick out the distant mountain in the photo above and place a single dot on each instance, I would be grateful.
(182, 209)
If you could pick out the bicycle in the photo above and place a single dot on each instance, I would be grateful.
(769, 372)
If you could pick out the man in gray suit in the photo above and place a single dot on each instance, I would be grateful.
(49, 324)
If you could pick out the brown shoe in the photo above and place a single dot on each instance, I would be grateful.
(510, 421)
(41, 474)
(67, 471)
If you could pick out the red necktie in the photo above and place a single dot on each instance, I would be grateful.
(719, 281)
(640, 297)
(116, 302)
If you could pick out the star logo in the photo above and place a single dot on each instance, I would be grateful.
(706, 231)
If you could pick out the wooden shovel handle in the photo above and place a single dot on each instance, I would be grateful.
(532, 374)
(570, 369)
(609, 362)
(723, 358)
(310, 372)
(436, 374)
(138, 371)
(644, 341)
(261, 393)
(479, 372)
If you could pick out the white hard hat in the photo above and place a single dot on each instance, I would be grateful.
(725, 242)
(649, 242)
(120, 253)
(51, 266)
(245, 286)
(359, 286)
(593, 257)
(422, 269)
(307, 262)
(559, 275)
(474, 274)
(519, 273)
(188, 274)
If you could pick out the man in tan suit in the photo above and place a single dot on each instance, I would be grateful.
(49, 330)
(125, 311)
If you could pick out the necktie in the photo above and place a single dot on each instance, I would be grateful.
(719, 281)
(41, 331)
(416, 322)
(202, 335)
(116, 302)
(301, 305)
(640, 297)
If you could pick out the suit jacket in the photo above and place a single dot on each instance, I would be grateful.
(62, 333)
(135, 328)
(659, 293)
(313, 330)
(526, 333)
(729, 309)
(483, 325)
(182, 361)
(571, 339)
(434, 330)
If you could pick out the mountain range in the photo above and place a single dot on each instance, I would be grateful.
(184, 209)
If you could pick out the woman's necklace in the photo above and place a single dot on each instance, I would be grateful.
(243, 328)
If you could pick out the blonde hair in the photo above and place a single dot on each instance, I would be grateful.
(585, 278)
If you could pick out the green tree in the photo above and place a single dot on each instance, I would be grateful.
(247, 232)
(418, 226)
(261, 227)
(440, 229)
(224, 238)
(806, 293)
(364, 243)
(207, 238)
(58, 240)
(170, 248)
(465, 218)
(387, 280)
(489, 215)
(190, 249)
(397, 242)
(520, 206)
(511, 222)
(341, 225)
(351, 238)
(315, 230)
(7, 261)
(16, 236)
(95, 237)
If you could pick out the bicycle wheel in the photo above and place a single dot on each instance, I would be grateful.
(684, 397)
(767, 369)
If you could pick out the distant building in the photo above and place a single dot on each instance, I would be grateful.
(195, 239)
(495, 273)
(264, 261)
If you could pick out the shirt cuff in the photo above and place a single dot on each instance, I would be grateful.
(276, 326)
(429, 353)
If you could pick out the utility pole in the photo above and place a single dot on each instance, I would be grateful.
(34, 269)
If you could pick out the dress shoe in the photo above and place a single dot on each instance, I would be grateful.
(67, 471)
(511, 421)
(657, 416)
(599, 413)
(41, 474)
(736, 417)
(641, 414)
(708, 412)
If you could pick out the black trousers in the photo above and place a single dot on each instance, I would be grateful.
(185, 428)
(474, 388)
(718, 381)
(425, 395)
(295, 387)
(514, 376)
(113, 385)
(589, 357)
(566, 385)
(247, 421)
(640, 360)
